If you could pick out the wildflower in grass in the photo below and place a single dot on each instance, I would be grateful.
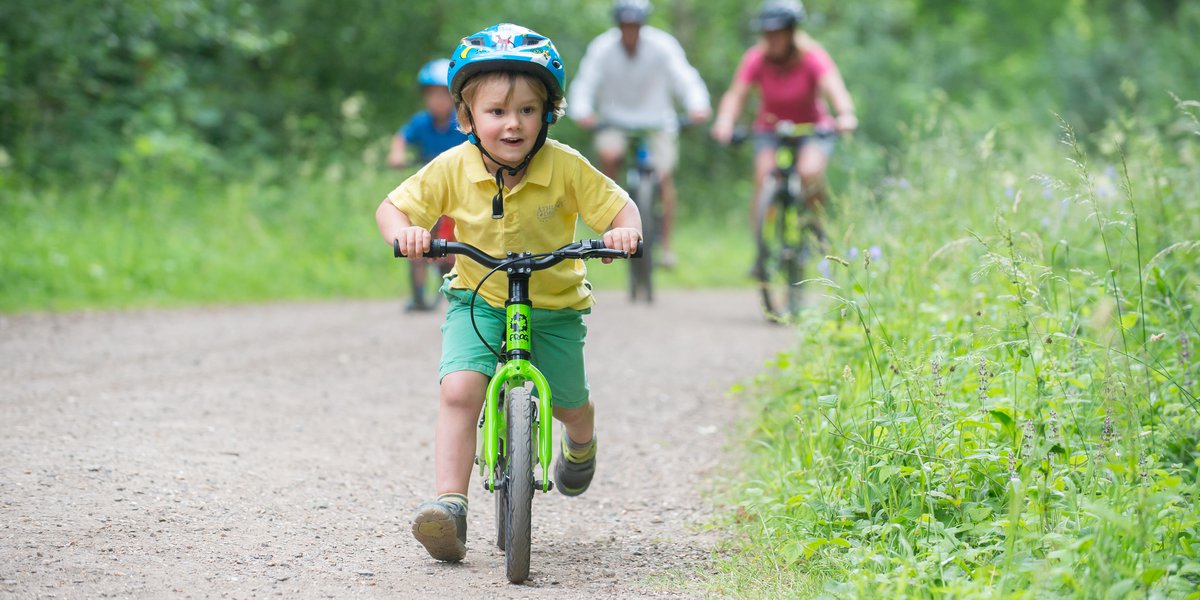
(985, 377)
(939, 386)
(823, 268)
(1055, 437)
(875, 251)
(1107, 431)
(1011, 463)
(848, 375)
(1185, 359)
(1027, 433)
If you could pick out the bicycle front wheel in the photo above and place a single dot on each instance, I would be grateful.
(641, 284)
(780, 250)
(502, 471)
(518, 488)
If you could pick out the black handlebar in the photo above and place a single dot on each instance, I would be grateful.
(583, 249)
(788, 132)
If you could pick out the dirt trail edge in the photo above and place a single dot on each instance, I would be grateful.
(280, 449)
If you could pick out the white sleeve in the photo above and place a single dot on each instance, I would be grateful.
(685, 79)
(581, 93)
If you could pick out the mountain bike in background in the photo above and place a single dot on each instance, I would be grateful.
(644, 187)
(786, 229)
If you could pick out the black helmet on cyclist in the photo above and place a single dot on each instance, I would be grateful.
(779, 14)
(631, 11)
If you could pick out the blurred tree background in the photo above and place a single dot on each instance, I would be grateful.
(94, 87)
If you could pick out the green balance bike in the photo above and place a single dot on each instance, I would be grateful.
(516, 423)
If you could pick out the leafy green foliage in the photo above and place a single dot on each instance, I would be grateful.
(92, 87)
(999, 394)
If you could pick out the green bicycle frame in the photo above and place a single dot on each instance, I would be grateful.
(516, 371)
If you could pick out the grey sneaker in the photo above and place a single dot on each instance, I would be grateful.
(573, 478)
(442, 528)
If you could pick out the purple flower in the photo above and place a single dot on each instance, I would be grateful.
(823, 267)
(876, 252)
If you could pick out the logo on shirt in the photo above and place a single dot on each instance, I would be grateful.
(546, 212)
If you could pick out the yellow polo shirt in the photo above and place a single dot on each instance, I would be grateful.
(539, 216)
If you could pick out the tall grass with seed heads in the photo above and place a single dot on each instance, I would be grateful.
(1001, 401)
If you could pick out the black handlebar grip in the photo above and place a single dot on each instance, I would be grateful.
(637, 253)
(437, 248)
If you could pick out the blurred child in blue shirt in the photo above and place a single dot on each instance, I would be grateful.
(431, 131)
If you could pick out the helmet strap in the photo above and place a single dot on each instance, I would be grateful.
(498, 199)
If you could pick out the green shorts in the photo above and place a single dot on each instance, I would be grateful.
(557, 344)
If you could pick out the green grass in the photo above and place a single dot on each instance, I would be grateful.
(1001, 400)
(153, 240)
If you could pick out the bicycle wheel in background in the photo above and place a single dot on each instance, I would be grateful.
(780, 250)
(641, 272)
(518, 488)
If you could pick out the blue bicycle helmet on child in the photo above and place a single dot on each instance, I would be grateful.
(509, 47)
(435, 72)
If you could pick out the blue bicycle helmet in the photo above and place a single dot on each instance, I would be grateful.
(508, 47)
(435, 72)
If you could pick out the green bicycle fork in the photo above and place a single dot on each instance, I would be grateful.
(516, 371)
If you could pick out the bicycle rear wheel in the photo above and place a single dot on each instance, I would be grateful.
(641, 271)
(781, 250)
(518, 488)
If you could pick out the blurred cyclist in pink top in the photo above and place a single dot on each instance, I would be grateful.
(796, 79)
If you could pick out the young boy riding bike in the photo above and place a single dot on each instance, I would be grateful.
(510, 189)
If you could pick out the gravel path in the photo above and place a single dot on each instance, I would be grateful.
(279, 450)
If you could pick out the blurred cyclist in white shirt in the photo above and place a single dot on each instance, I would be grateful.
(629, 79)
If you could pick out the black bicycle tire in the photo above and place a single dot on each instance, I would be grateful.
(519, 485)
(777, 263)
(642, 270)
(501, 492)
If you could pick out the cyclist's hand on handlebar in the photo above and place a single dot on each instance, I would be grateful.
(846, 123)
(722, 131)
(413, 242)
(624, 239)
